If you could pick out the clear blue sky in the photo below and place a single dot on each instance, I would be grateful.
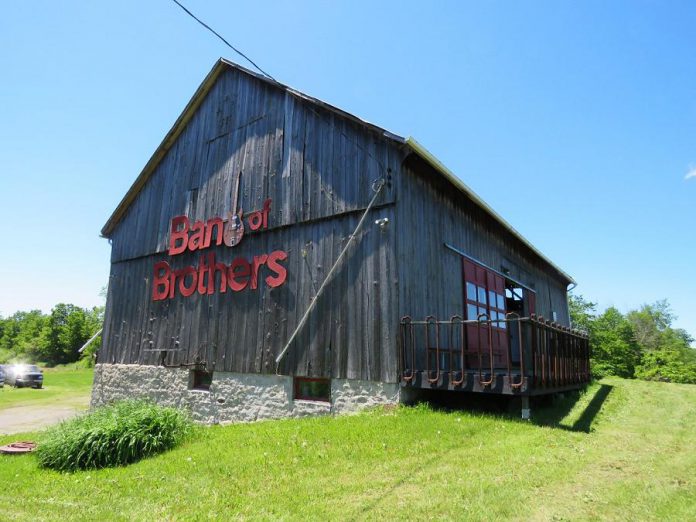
(575, 120)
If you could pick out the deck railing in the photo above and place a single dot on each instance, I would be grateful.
(534, 353)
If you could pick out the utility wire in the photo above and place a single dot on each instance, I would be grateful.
(240, 53)
(309, 106)
(312, 109)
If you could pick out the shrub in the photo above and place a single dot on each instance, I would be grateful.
(669, 365)
(113, 435)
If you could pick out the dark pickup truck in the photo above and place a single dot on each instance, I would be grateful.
(21, 375)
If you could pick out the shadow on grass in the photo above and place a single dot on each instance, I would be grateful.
(554, 414)
(547, 410)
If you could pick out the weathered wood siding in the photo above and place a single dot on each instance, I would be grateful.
(318, 169)
(430, 213)
(317, 166)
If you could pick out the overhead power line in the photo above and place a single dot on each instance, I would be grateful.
(228, 44)
(309, 106)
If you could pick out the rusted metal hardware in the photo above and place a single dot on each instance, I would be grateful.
(513, 317)
(429, 322)
(550, 355)
(487, 321)
(408, 347)
(455, 321)
(544, 343)
(560, 354)
(15, 448)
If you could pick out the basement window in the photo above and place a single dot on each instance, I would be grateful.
(200, 380)
(312, 389)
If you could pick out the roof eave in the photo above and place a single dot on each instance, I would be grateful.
(463, 187)
(163, 147)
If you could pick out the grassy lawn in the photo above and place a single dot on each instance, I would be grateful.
(622, 451)
(65, 385)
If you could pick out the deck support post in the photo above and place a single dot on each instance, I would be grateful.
(526, 411)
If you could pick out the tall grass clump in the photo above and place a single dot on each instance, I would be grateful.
(113, 435)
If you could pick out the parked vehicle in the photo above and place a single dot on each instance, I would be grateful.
(2, 376)
(21, 375)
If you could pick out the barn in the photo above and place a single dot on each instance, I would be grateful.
(279, 257)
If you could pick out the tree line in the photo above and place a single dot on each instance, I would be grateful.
(50, 339)
(640, 344)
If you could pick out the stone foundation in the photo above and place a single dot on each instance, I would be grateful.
(233, 397)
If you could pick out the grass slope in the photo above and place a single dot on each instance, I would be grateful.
(64, 386)
(622, 451)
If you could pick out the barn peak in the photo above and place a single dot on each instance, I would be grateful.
(409, 144)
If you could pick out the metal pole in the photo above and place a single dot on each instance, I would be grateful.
(90, 340)
(380, 184)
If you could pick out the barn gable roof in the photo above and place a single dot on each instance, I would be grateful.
(410, 143)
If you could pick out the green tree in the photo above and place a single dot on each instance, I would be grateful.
(582, 313)
(650, 322)
(67, 329)
(21, 336)
(613, 345)
(50, 339)
(667, 355)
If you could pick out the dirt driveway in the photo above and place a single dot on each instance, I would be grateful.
(18, 419)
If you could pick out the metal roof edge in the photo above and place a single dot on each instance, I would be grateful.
(163, 147)
(416, 147)
(316, 101)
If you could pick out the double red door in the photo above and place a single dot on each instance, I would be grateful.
(484, 298)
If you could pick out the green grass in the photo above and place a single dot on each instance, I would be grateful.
(622, 451)
(64, 386)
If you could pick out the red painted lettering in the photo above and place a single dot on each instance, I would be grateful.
(178, 235)
(187, 291)
(213, 269)
(213, 224)
(266, 210)
(280, 272)
(255, 265)
(255, 219)
(238, 274)
(160, 281)
(196, 240)
(203, 269)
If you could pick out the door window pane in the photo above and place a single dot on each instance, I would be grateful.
(482, 295)
(501, 301)
(471, 291)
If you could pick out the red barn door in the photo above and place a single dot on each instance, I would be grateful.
(484, 293)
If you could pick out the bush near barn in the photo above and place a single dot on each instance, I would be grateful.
(113, 435)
